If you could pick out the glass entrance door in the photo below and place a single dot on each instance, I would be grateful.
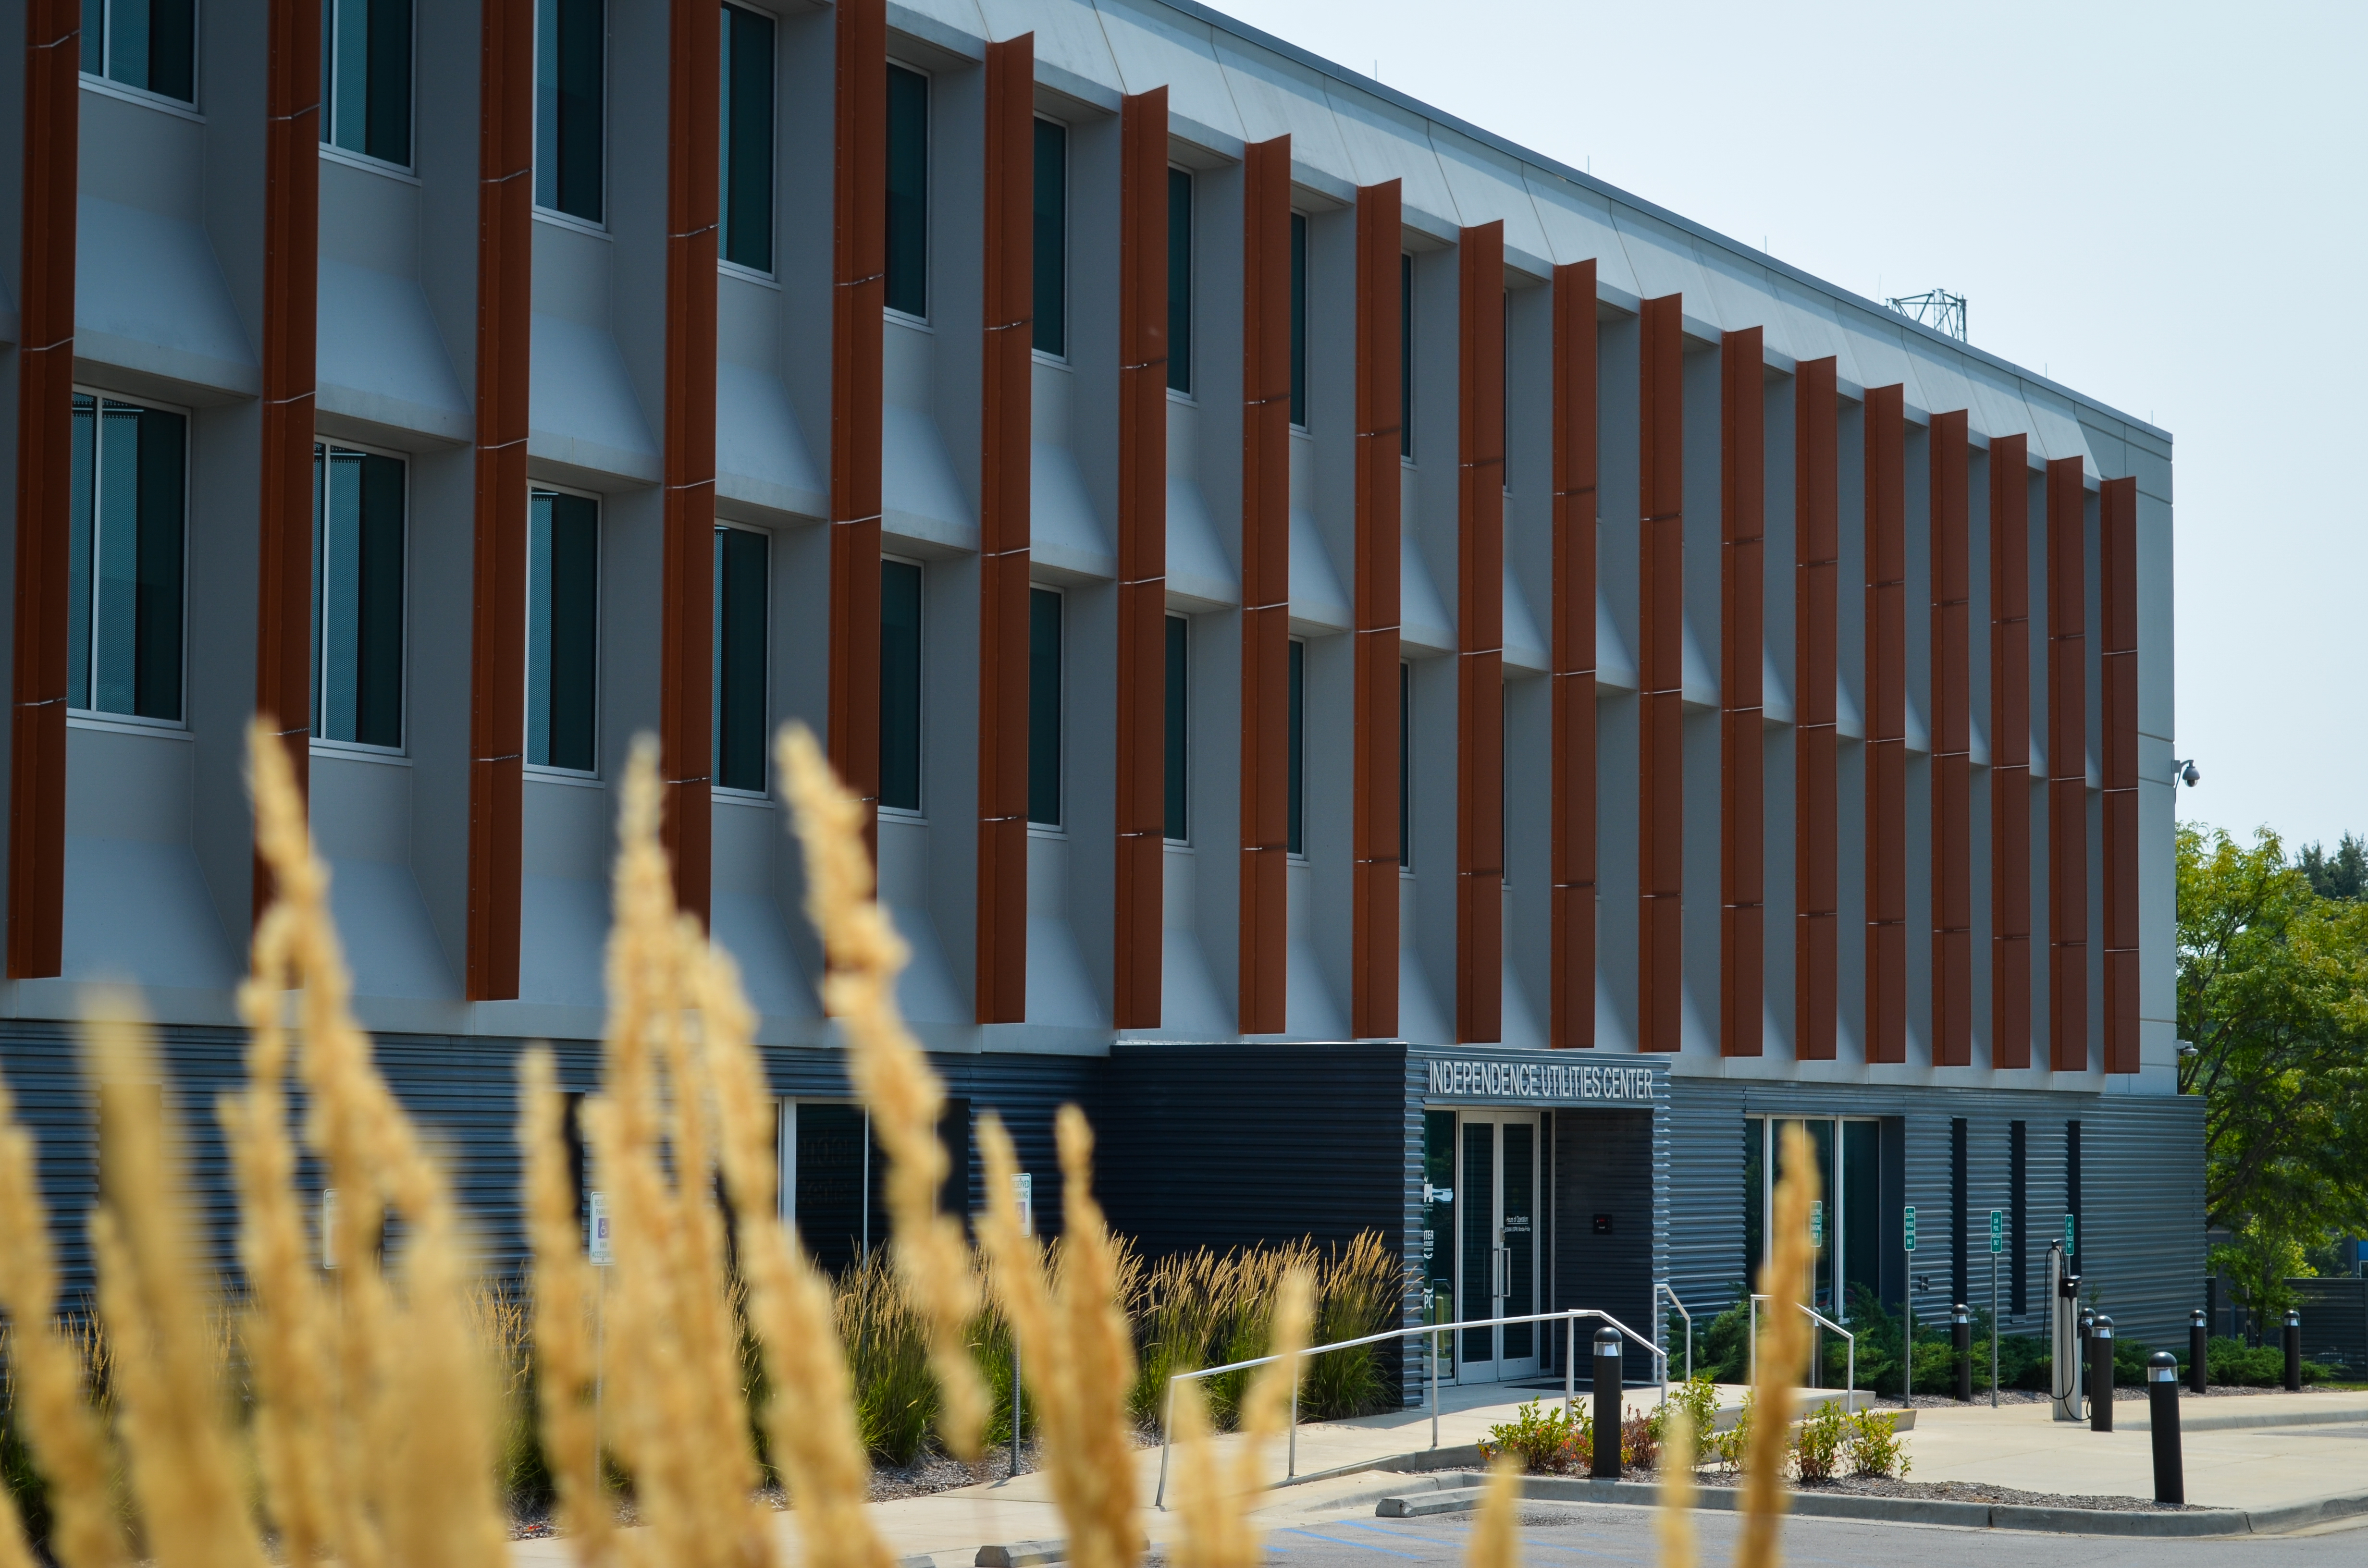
(1496, 1242)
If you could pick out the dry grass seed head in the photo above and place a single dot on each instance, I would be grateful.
(1215, 1506)
(1673, 1522)
(1494, 1543)
(564, 1366)
(1783, 1352)
(890, 1072)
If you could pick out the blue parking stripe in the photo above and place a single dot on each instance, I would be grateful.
(1338, 1540)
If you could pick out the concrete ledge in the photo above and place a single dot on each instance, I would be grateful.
(2234, 1422)
(1022, 1553)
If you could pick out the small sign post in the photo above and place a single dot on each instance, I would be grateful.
(600, 1251)
(329, 1227)
(1817, 1224)
(1997, 1246)
(2071, 1224)
(1907, 1300)
(598, 1244)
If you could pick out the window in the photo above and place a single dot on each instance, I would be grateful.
(1295, 819)
(563, 630)
(745, 144)
(739, 699)
(148, 44)
(1406, 767)
(900, 684)
(1959, 1204)
(2076, 1243)
(1180, 281)
(1299, 320)
(1045, 706)
(1405, 356)
(1847, 1219)
(357, 570)
(1052, 238)
(2019, 1216)
(1177, 649)
(909, 191)
(123, 652)
(571, 68)
(366, 77)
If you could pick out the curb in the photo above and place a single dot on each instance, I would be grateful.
(2235, 1423)
(1464, 1493)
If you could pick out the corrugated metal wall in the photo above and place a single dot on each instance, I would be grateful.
(2334, 1321)
(1604, 1175)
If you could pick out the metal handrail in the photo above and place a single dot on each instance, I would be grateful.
(1664, 1289)
(1567, 1317)
(1850, 1352)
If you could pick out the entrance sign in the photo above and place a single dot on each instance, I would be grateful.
(1557, 1082)
(601, 1243)
(1908, 1221)
(1998, 1230)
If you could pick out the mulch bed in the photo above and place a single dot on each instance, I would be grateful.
(1966, 1492)
(2121, 1392)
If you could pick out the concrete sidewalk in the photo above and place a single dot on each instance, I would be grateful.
(2322, 1452)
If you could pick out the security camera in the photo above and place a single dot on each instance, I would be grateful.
(2185, 771)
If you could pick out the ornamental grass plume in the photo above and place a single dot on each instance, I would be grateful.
(906, 1099)
(1674, 1524)
(1075, 1342)
(1493, 1543)
(678, 1422)
(1784, 1352)
(1213, 1500)
(68, 1445)
(565, 1371)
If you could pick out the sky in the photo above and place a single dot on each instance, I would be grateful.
(2157, 205)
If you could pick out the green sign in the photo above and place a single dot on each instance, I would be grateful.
(2069, 1248)
(1909, 1222)
(1998, 1230)
(1817, 1224)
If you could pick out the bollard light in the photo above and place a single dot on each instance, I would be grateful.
(1607, 1405)
(2199, 1354)
(2101, 1375)
(2162, 1411)
(2293, 1351)
(1961, 1334)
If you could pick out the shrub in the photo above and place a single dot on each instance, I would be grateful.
(1873, 1446)
(1726, 1448)
(1817, 1444)
(1640, 1442)
(1697, 1399)
(1547, 1442)
(2233, 1362)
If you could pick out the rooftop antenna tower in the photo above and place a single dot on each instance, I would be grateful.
(1936, 307)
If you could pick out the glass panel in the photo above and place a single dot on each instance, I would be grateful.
(1052, 237)
(1299, 320)
(1406, 768)
(386, 113)
(1176, 823)
(1180, 281)
(1521, 1240)
(747, 139)
(2019, 1215)
(563, 623)
(1821, 1132)
(156, 630)
(344, 41)
(831, 1181)
(150, 44)
(1755, 1197)
(546, 104)
(127, 41)
(339, 575)
(900, 684)
(1295, 834)
(1438, 1225)
(94, 36)
(740, 583)
(378, 634)
(909, 191)
(1478, 1190)
(1044, 706)
(571, 68)
(86, 520)
(1405, 356)
(1861, 1218)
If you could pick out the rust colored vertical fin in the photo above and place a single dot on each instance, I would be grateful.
(1266, 584)
(2068, 767)
(36, 756)
(687, 622)
(2117, 650)
(1573, 916)
(1660, 783)
(1007, 264)
(1816, 812)
(1374, 918)
(1141, 553)
(1886, 725)
(1952, 871)
(1480, 634)
(292, 234)
(2010, 750)
(858, 296)
(498, 588)
(1742, 802)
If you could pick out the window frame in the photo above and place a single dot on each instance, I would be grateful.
(1296, 750)
(1189, 299)
(534, 166)
(148, 96)
(762, 794)
(552, 772)
(1302, 243)
(1406, 357)
(322, 744)
(1068, 158)
(929, 189)
(1406, 768)
(1058, 829)
(920, 701)
(411, 90)
(1178, 682)
(772, 190)
(1837, 1220)
(102, 718)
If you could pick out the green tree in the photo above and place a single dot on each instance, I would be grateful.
(2343, 874)
(2273, 1001)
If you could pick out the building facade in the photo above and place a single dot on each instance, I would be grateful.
(1431, 694)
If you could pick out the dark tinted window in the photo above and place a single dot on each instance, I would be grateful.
(148, 44)
(900, 684)
(124, 559)
(1044, 706)
(1405, 765)
(909, 191)
(1299, 319)
(1176, 824)
(1405, 356)
(745, 143)
(1052, 237)
(366, 77)
(571, 51)
(563, 630)
(1180, 280)
(1295, 838)
(739, 701)
(356, 596)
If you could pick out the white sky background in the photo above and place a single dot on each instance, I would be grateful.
(2159, 205)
